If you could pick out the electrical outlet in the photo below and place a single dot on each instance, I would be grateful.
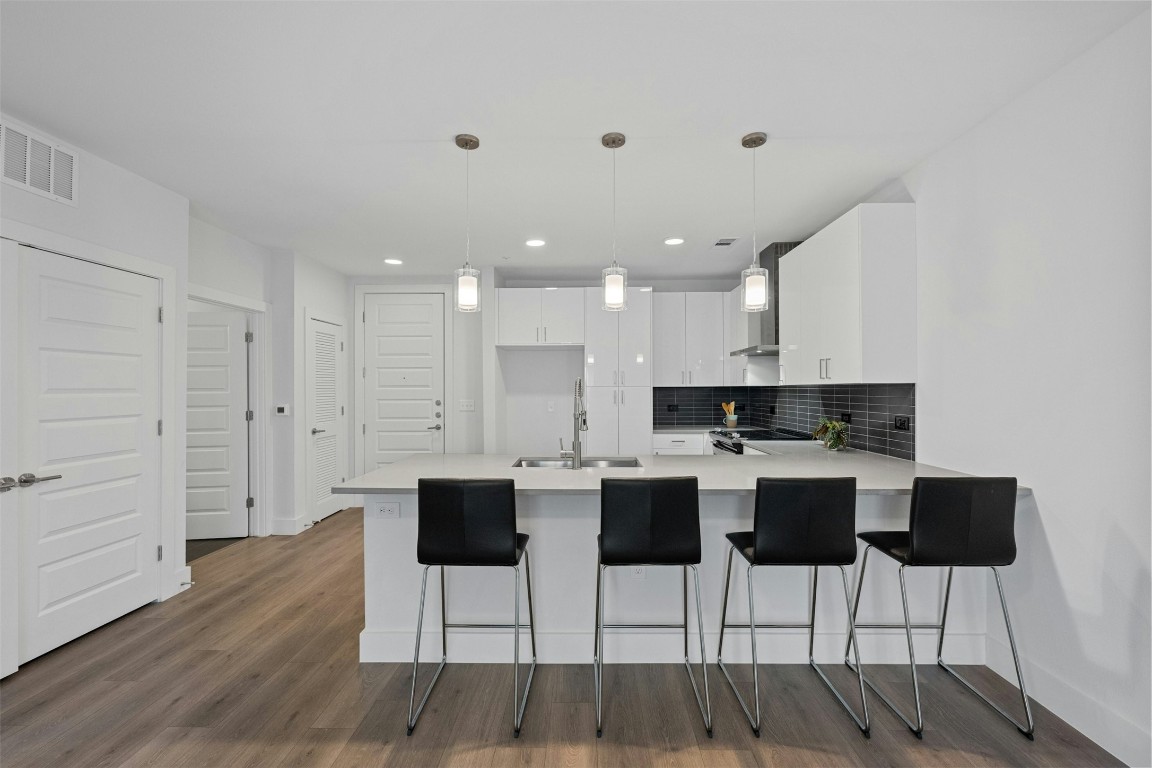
(637, 571)
(900, 422)
(741, 408)
(846, 418)
(771, 410)
(467, 405)
(388, 510)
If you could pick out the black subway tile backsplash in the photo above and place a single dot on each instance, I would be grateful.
(874, 408)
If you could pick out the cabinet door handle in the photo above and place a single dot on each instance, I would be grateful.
(782, 378)
(828, 368)
(681, 377)
(689, 378)
(537, 333)
(317, 431)
(744, 375)
(621, 397)
(821, 368)
(621, 378)
(545, 334)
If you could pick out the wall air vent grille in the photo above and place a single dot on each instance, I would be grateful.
(38, 164)
(724, 242)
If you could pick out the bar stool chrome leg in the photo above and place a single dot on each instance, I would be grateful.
(414, 715)
(518, 703)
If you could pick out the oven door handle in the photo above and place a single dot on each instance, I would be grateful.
(725, 447)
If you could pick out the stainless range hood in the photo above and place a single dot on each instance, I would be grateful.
(763, 327)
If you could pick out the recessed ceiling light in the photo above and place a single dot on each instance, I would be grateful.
(393, 262)
(551, 289)
(674, 241)
(534, 243)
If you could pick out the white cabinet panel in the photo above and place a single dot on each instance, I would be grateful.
(603, 406)
(519, 316)
(688, 444)
(735, 337)
(635, 339)
(791, 299)
(635, 420)
(668, 368)
(562, 316)
(704, 338)
(601, 341)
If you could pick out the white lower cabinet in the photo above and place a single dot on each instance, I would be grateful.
(686, 444)
(619, 421)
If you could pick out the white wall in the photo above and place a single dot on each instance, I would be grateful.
(218, 259)
(125, 213)
(1033, 240)
(533, 380)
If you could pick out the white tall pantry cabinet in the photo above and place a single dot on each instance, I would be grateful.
(618, 375)
(848, 300)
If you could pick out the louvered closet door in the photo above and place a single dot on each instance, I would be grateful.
(327, 440)
(89, 402)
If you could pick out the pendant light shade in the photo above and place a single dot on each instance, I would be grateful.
(754, 279)
(466, 286)
(614, 279)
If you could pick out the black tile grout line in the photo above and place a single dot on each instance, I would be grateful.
(873, 408)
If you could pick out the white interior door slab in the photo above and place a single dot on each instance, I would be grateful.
(9, 498)
(403, 377)
(325, 393)
(217, 425)
(89, 397)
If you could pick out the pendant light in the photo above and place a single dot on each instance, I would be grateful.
(614, 279)
(467, 282)
(754, 280)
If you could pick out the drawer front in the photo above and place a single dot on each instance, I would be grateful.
(690, 444)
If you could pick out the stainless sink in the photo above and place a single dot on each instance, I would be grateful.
(555, 462)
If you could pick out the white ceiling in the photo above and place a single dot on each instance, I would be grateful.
(327, 127)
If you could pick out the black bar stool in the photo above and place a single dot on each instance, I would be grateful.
(650, 522)
(471, 523)
(955, 522)
(798, 522)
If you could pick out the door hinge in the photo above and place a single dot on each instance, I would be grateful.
(159, 552)
(249, 416)
(160, 426)
(250, 502)
(160, 315)
(249, 336)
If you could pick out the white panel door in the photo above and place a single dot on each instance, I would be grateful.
(217, 427)
(518, 317)
(601, 342)
(562, 316)
(602, 437)
(668, 368)
(635, 339)
(635, 421)
(9, 499)
(403, 376)
(704, 338)
(324, 359)
(89, 409)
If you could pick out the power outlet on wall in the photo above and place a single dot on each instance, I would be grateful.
(900, 422)
(467, 405)
(388, 510)
(637, 571)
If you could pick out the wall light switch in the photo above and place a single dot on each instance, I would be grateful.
(467, 405)
(388, 510)
(637, 571)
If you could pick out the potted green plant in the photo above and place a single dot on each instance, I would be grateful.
(833, 433)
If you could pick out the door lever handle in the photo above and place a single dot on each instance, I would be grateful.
(437, 427)
(7, 484)
(317, 431)
(28, 479)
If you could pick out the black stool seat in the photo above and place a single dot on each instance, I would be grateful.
(895, 544)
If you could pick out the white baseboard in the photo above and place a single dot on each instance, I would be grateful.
(1129, 741)
(287, 526)
(645, 647)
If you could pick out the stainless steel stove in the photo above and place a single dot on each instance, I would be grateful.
(727, 441)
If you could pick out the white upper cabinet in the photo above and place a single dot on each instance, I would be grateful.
(688, 339)
(704, 349)
(538, 316)
(735, 337)
(668, 366)
(618, 345)
(848, 300)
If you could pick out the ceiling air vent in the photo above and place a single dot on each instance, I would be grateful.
(725, 242)
(38, 164)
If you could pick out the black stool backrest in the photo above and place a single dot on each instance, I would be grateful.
(805, 521)
(649, 521)
(466, 522)
(963, 521)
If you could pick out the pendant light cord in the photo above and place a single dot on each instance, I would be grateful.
(467, 209)
(614, 264)
(754, 252)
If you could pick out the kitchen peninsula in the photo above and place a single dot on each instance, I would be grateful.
(560, 510)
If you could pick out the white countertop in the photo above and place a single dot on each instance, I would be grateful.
(717, 474)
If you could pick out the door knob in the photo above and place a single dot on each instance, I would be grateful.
(437, 427)
(28, 479)
(7, 484)
(317, 431)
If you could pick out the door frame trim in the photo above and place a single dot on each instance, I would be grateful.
(177, 576)
(362, 291)
(260, 392)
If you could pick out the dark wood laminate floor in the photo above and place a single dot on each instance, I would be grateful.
(257, 666)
